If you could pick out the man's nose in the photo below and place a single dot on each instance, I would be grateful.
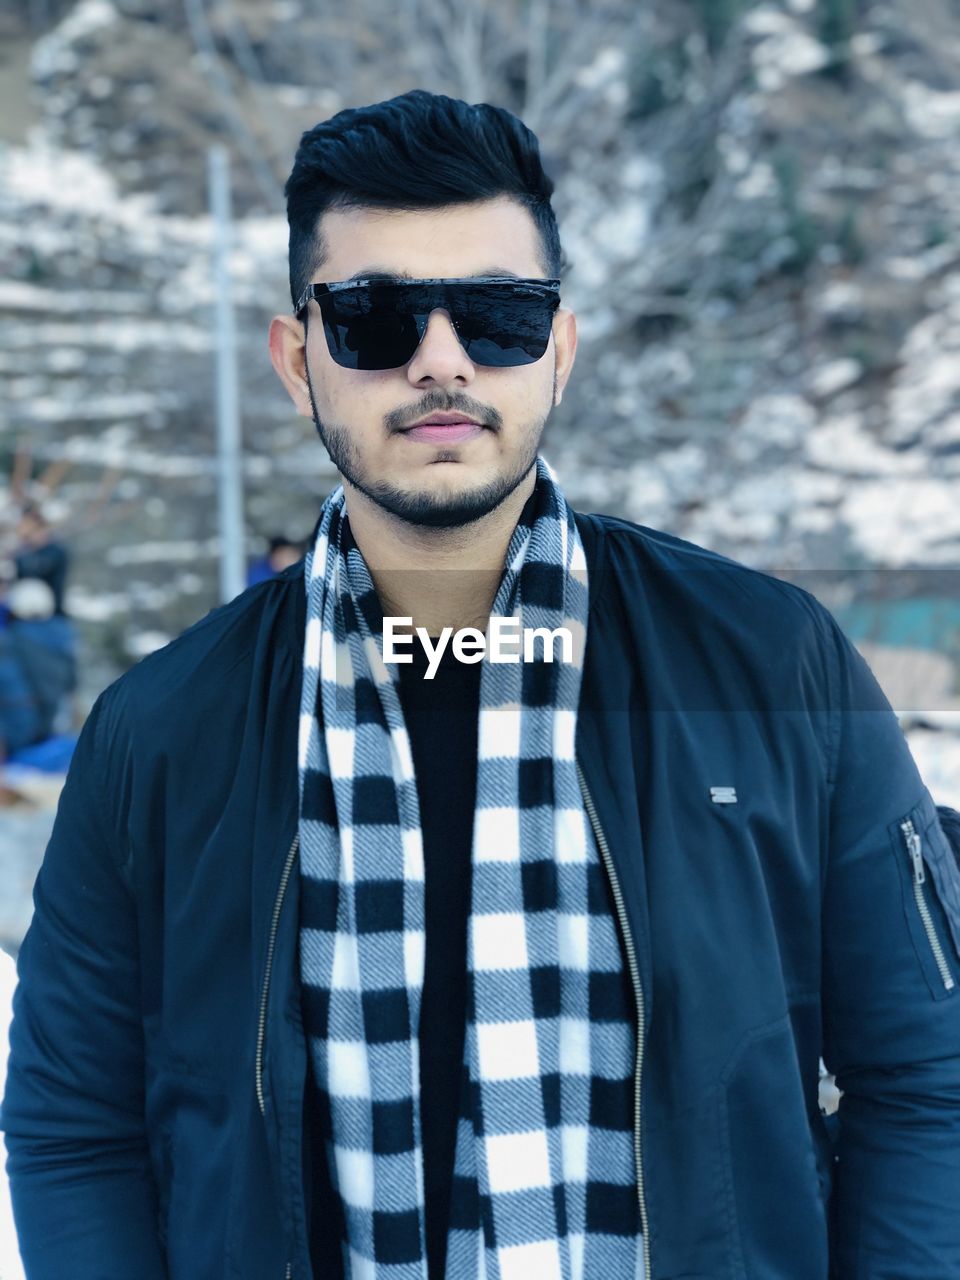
(440, 357)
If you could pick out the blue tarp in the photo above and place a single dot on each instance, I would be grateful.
(53, 755)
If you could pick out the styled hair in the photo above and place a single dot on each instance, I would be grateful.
(417, 151)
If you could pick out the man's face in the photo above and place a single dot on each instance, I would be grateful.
(361, 415)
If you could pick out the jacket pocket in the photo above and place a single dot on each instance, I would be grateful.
(931, 894)
(774, 1184)
(163, 1175)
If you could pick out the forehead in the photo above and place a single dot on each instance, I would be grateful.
(489, 237)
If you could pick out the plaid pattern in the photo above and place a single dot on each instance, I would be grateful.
(544, 1180)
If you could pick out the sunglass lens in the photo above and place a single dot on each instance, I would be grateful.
(505, 332)
(502, 325)
(370, 341)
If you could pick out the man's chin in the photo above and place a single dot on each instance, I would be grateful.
(441, 510)
(430, 511)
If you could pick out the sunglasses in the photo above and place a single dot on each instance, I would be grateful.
(501, 321)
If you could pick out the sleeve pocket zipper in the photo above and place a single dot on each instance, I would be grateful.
(914, 848)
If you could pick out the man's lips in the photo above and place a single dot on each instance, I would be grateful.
(444, 432)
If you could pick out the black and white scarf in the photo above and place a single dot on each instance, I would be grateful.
(544, 1177)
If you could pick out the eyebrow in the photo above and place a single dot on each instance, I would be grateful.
(383, 274)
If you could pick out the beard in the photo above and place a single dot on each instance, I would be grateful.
(424, 509)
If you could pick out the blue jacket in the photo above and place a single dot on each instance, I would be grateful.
(38, 669)
(156, 1112)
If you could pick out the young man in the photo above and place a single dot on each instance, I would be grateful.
(346, 966)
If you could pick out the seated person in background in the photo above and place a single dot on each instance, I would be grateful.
(38, 555)
(283, 552)
(38, 667)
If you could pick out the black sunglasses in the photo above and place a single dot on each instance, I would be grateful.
(501, 321)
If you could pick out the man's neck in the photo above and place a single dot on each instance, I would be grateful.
(438, 577)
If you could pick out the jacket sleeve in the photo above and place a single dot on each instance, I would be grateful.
(83, 1193)
(891, 996)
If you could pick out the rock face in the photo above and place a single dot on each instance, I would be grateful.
(760, 206)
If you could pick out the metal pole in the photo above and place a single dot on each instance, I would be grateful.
(229, 476)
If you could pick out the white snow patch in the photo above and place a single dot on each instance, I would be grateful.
(897, 523)
(841, 297)
(104, 454)
(72, 409)
(86, 607)
(932, 113)
(834, 376)
(154, 335)
(42, 173)
(785, 50)
(780, 419)
(927, 387)
(937, 756)
(608, 64)
(843, 444)
(187, 550)
(648, 496)
(760, 181)
(141, 643)
(53, 53)
(17, 294)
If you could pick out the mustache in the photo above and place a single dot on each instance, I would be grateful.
(398, 419)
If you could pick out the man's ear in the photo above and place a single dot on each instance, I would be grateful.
(565, 342)
(287, 341)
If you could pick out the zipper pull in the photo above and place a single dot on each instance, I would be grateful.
(913, 849)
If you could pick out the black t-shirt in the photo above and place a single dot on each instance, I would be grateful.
(441, 717)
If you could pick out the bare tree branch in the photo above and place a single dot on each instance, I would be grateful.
(266, 179)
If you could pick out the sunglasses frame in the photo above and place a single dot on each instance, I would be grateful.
(549, 287)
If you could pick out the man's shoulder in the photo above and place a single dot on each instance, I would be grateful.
(629, 558)
(195, 672)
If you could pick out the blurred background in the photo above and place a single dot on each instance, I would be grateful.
(760, 203)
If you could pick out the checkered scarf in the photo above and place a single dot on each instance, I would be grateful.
(544, 1176)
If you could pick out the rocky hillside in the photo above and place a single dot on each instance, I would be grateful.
(760, 204)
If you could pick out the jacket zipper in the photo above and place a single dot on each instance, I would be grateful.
(911, 839)
(262, 1025)
(638, 996)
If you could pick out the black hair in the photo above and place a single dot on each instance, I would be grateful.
(279, 540)
(417, 151)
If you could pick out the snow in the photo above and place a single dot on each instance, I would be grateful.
(926, 390)
(930, 112)
(897, 524)
(784, 50)
(843, 444)
(187, 551)
(64, 185)
(937, 755)
(146, 335)
(832, 377)
(54, 53)
(71, 181)
(141, 643)
(780, 418)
